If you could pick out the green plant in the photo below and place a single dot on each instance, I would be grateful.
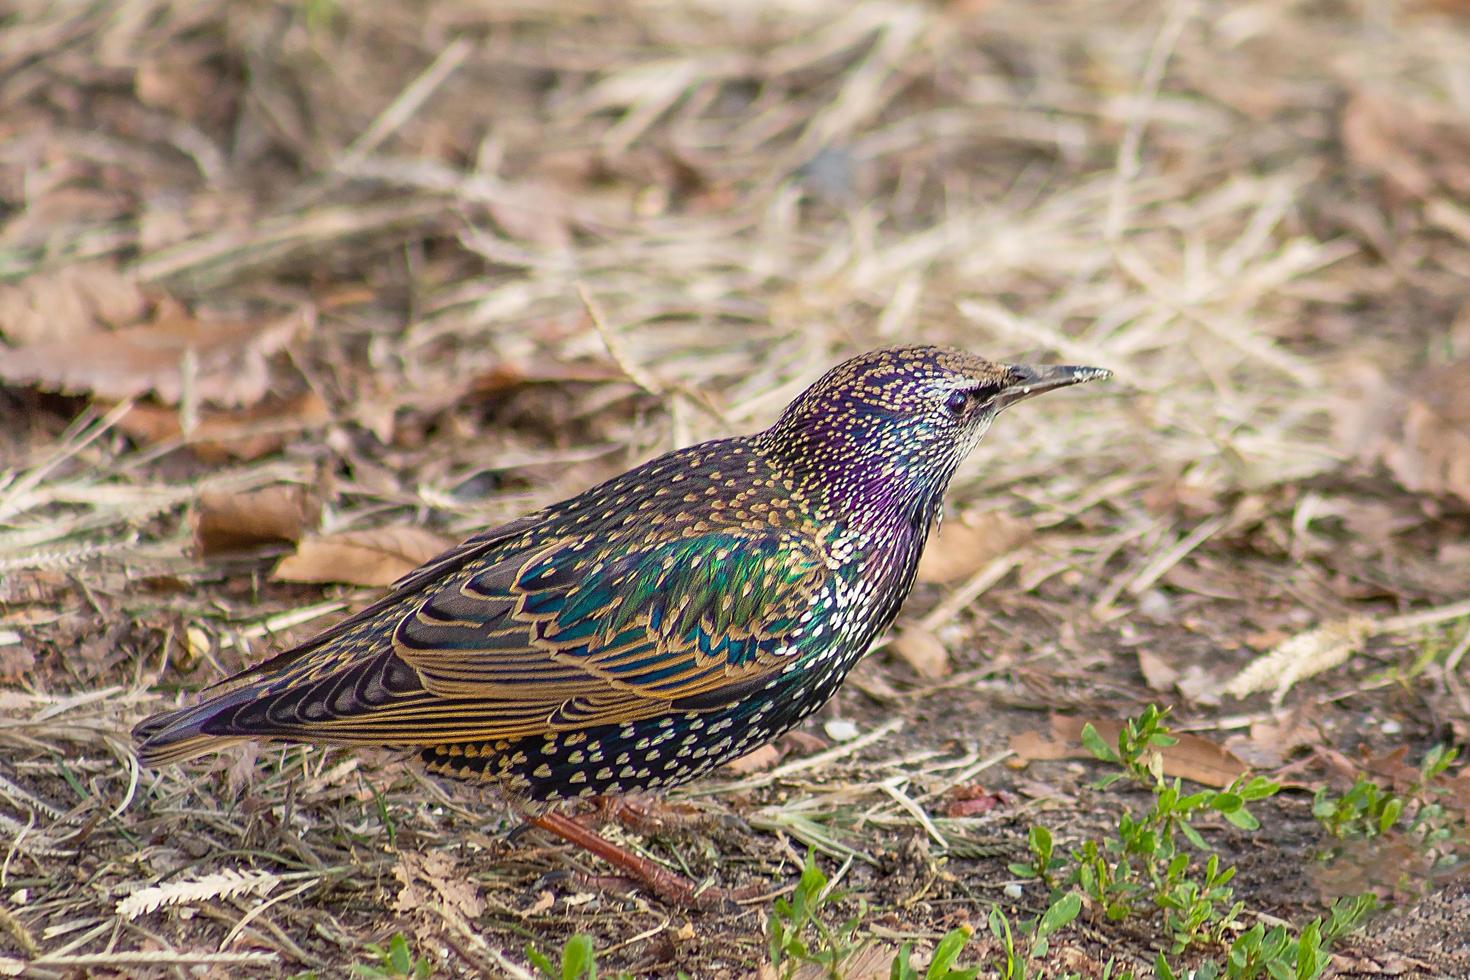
(1012, 965)
(1016, 951)
(791, 922)
(1146, 866)
(1107, 974)
(1043, 864)
(1426, 816)
(1158, 863)
(1277, 954)
(941, 964)
(1369, 809)
(395, 960)
(578, 960)
(1365, 810)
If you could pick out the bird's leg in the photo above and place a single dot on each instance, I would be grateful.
(668, 886)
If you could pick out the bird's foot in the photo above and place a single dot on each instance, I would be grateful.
(652, 815)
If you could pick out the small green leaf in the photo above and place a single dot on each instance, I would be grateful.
(1061, 913)
(999, 927)
(1041, 844)
(1227, 802)
(947, 952)
(1390, 814)
(400, 957)
(578, 959)
(1095, 744)
(1243, 819)
(1258, 788)
(540, 960)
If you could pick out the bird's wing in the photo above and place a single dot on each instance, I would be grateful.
(511, 639)
(579, 633)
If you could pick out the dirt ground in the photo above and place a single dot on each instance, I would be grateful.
(294, 293)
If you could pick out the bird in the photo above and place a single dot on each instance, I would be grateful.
(642, 633)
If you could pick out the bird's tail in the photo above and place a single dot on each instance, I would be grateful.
(181, 734)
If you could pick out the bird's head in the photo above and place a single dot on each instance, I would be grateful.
(888, 428)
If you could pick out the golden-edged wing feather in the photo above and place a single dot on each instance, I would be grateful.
(509, 636)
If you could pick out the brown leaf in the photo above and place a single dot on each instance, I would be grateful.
(963, 546)
(1271, 741)
(233, 521)
(923, 651)
(458, 895)
(1419, 429)
(1193, 758)
(17, 661)
(229, 434)
(1417, 151)
(973, 800)
(380, 556)
(873, 961)
(1156, 673)
(1432, 455)
(509, 374)
(66, 304)
(760, 760)
(538, 216)
(229, 359)
(1199, 685)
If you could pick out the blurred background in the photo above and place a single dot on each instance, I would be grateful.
(292, 294)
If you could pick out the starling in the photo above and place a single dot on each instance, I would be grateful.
(647, 630)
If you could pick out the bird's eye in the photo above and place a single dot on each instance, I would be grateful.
(957, 401)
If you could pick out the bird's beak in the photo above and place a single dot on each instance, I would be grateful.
(1028, 381)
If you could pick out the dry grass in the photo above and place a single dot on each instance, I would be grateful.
(533, 243)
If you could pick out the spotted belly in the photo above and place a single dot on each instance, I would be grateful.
(649, 754)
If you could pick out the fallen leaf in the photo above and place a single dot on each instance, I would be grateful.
(16, 659)
(538, 216)
(233, 521)
(228, 366)
(873, 961)
(1432, 452)
(1157, 674)
(760, 760)
(228, 433)
(1271, 741)
(240, 769)
(1192, 757)
(545, 899)
(509, 374)
(1417, 151)
(923, 651)
(972, 800)
(63, 305)
(802, 742)
(966, 544)
(1199, 685)
(457, 893)
(378, 557)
